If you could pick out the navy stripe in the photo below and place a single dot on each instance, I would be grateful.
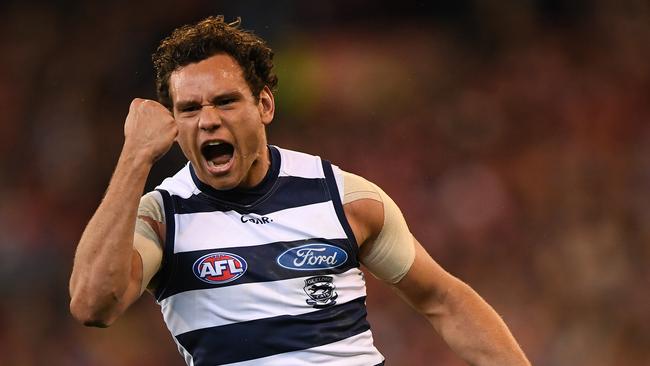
(265, 337)
(167, 264)
(288, 192)
(338, 207)
(262, 265)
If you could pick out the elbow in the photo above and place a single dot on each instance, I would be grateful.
(95, 303)
(85, 311)
(446, 301)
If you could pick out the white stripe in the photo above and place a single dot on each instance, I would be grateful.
(214, 230)
(181, 184)
(298, 164)
(189, 360)
(357, 350)
(293, 163)
(197, 309)
(338, 176)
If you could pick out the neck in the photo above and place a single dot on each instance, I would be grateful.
(258, 170)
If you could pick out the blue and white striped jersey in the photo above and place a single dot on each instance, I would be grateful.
(264, 277)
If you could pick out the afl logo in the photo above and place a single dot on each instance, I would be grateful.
(220, 267)
(311, 257)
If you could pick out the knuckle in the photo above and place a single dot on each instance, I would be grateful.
(136, 102)
(140, 103)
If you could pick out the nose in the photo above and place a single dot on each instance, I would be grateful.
(209, 118)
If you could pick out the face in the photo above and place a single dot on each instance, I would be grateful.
(220, 123)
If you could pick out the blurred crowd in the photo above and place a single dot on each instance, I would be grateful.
(514, 135)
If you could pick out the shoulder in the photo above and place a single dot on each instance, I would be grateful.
(180, 184)
(150, 221)
(387, 246)
(151, 203)
(363, 206)
(298, 164)
(357, 188)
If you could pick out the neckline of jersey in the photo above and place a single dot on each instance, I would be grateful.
(244, 197)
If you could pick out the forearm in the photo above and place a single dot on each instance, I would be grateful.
(103, 261)
(474, 330)
(463, 319)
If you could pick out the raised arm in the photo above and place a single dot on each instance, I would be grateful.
(107, 272)
(471, 327)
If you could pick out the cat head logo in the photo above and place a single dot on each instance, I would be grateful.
(321, 291)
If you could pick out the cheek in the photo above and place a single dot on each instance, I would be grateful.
(253, 130)
(251, 139)
(185, 139)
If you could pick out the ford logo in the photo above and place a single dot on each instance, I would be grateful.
(311, 257)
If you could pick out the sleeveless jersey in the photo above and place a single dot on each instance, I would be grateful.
(275, 281)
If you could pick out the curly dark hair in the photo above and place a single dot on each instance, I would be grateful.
(195, 42)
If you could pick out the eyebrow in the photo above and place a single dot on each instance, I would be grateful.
(182, 104)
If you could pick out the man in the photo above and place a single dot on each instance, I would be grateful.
(253, 251)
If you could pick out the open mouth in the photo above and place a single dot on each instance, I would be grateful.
(218, 154)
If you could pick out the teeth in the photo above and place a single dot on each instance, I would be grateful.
(214, 143)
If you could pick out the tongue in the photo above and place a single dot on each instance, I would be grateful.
(221, 159)
(218, 154)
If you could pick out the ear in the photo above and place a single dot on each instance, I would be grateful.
(266, 105)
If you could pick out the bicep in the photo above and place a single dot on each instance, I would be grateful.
(145, 262)
(386, 243)
(133, 289)
(128, 297)
(148, 238)
(149, 255)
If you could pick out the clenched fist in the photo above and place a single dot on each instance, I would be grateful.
(149, 130)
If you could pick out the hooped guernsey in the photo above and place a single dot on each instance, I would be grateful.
(268, 276)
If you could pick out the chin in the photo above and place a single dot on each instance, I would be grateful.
(222, 183)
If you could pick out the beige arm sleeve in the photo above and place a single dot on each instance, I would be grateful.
(149, 234)
(393, 252)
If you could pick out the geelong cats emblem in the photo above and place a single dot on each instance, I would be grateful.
(321, 291)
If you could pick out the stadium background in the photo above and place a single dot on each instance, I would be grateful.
(513, 134)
